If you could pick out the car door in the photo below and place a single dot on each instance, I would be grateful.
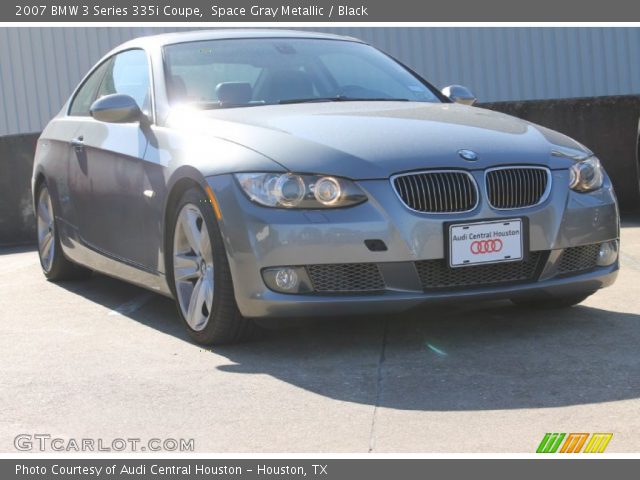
(75, 190)
(118, 208)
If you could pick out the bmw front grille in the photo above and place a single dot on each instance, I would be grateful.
(455, 191)
(516, 187)
(437, 191)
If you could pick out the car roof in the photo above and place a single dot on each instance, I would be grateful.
(199, 35)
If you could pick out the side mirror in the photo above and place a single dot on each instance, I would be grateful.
(459, 94)
(116, 108)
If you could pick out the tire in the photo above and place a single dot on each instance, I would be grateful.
(199, 274)
(55, 266)
(551, 303)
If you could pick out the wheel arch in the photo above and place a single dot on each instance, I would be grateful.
(177, 187)
(38, 180)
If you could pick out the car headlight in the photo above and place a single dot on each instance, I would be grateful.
(290, 190)
(586, 175)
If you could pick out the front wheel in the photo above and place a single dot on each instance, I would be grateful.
(551, 303)
(201, 278)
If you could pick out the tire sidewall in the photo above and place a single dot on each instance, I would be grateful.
(195, 196)
(56, 242)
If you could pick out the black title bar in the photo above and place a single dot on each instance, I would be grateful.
(317, 469)
(225, 11)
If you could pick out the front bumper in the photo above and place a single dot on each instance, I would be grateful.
(258, 237)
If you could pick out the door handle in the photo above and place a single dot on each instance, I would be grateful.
(78, 143)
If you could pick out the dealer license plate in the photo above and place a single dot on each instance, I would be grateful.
(486, 242)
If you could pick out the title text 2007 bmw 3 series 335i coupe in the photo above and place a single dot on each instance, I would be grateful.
(250, 174)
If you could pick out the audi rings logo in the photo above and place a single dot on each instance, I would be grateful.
(486, 246)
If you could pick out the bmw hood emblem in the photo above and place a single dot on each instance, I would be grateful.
(468, 155)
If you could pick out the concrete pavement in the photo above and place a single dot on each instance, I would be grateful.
(103, 359)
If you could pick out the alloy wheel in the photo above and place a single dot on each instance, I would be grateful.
(193, 269)
(45, 229)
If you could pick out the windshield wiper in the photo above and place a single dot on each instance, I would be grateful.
(340, 98)
(216, 105)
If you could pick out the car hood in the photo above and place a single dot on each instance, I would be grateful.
(366, 140)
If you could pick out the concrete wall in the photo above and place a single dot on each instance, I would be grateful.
(17, 225)
(39, 67)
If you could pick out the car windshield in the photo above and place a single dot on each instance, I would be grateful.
(268, 71)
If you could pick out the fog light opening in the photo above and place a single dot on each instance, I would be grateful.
(608, 253)
(287, 279)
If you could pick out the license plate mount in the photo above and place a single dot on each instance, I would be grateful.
(486, 242)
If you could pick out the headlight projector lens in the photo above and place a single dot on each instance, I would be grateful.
(586, 176)
(289, 190)
(327, 191)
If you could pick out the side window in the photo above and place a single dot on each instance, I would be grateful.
(81, 103)
(129, 74)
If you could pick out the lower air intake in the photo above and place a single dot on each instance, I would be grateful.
(346, 278)
(437, 275)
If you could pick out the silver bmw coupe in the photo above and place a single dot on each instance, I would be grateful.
(271, 173)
